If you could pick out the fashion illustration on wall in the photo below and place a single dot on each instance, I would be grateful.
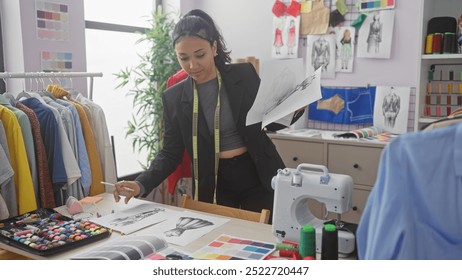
(321, 54)
(391, 108)
(286, 27)
(375, 35)
(345, 49)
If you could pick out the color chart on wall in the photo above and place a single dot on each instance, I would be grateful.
(370, 5)
(52, 21)
(56, 61)
(227, 247)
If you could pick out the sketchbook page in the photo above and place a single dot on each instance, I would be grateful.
(305, 93)
(361, 133)
(125, 248)
(169, 253)
(278, 78)
(185, 227)
(227, 247)
(135, 218)
(382, 137)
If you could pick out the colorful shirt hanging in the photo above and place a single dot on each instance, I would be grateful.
(344, 105)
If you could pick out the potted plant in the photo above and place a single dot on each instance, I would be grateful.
(150, 79)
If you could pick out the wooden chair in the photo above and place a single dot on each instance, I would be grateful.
(189, 203)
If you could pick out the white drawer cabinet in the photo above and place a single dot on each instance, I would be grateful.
(360, 160)
(295, 152)
(361, 163)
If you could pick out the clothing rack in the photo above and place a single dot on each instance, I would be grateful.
(26, 75)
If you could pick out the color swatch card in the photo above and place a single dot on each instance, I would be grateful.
(52, 21)
(227, 247)
(370, 5)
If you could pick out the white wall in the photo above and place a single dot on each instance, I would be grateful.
(245, 25)
(247, 28)
(12, 42)
(23, 53)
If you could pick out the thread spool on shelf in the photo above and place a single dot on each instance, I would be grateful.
(429, 44)
(437, 43)
(449, 43)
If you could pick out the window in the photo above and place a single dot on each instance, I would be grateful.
(111, 46)
(2, 65)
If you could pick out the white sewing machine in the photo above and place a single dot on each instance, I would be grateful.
(293, 188)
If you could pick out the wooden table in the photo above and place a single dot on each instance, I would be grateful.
(235, 227)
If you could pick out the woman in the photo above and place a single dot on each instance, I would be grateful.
(242, 160)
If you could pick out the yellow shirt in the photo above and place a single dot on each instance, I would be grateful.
(92, 151)
(25, 193)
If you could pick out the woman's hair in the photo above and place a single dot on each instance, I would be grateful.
(198, 23)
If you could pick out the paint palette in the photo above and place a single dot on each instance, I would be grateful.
(227, 247)
(370, 5)
(45, 232)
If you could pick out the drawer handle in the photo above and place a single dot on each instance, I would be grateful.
(356, 165)
(354, 208)
(295, 158)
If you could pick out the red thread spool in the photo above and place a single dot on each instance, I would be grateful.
(437, 43)
(286, 253)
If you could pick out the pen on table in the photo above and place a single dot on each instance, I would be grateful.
(113, 185)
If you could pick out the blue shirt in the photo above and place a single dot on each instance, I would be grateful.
(51, 140)
(83, 160)
(414, 210)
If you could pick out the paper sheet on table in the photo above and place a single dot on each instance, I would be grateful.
(135, 218)
(185, 227)
(279, 95)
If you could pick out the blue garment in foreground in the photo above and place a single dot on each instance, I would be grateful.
(358, 106)
(415, 208)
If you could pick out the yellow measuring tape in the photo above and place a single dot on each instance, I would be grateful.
(216, 127)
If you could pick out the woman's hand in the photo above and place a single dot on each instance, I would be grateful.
(128, 189)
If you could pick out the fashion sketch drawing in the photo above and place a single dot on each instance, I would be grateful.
(187, 223)
(376, 34)
(391, 108)
(321, 54)
(134, 216)
(345, 49)
(131, 219)
(285, 37)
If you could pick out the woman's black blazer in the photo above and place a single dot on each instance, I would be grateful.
(241, 82)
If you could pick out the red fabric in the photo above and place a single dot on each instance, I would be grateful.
(184, 169)
(279, 8)
(294, 8)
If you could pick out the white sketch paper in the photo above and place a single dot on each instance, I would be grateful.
(184, 227)
(345, 40)
(135, 218)
(391, 108)
(375, 34)
(285, 32)
(321, 54)
(282, 92)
